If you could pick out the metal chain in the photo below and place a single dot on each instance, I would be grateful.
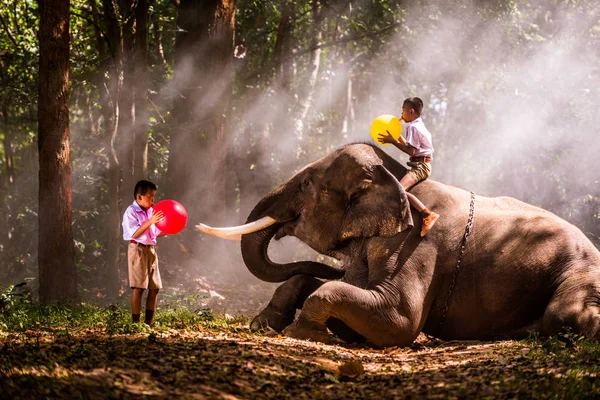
(460, 255)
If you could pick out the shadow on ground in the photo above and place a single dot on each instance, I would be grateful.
(202, 364)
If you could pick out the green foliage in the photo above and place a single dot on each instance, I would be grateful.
(14, 295)
(18, 56)
(572, 364)
(19, 314)
(565, 345)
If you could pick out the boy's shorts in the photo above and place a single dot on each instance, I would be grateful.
(143, 267)
(419, 171)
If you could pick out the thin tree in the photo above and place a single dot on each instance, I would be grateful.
(140, 91)
(110, 56)
(307, 98)
(57, 271)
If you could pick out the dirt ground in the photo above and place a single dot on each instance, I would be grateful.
(237, 364)
(205, 362)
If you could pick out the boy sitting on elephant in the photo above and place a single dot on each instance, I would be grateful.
(418, 145)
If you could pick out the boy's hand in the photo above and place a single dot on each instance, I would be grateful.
(387, 138)
(157, 216)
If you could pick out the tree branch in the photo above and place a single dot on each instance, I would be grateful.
(8, 31)
(274, 63)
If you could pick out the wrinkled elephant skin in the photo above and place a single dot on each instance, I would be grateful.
(523, 268)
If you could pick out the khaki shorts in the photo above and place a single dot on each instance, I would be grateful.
(419, 171)
(143, 267)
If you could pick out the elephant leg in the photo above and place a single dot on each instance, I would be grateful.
(343, 331)
(371, 314)
(575, 306)
(288, 297)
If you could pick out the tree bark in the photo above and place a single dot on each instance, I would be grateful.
(8, 152)
(109, 85)
(7, 240)
(158, 50)
(140, 80)
(126, 100)
(313, 70)
(57, 271)
(348, 122)
(203, 80)
(283, 48)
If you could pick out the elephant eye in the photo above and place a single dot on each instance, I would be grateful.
(306, 183)
(354, 198)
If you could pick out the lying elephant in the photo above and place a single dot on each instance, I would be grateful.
(490, 268)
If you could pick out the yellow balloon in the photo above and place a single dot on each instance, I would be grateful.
(386, 122)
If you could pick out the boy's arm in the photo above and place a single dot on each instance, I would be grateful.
(140, 231)
(151, 221)
(405, 147)
(399, 143)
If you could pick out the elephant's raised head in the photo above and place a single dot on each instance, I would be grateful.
(348, 194)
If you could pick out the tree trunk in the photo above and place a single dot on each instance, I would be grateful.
(348, 122)
(313, 70)
(283, 46)
(7, 240)
(140, 80)
(158, 50)
(8, 153)
(109, 84)
(126, 99)
(57, 271)
(279, 120)
(203, 78)
(252, 169)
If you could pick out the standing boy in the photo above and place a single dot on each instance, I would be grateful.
(141, 233)
(418, 145)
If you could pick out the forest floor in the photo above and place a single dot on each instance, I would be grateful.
(90, 352)
(234, 363)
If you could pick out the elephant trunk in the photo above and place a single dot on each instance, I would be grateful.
(256, 258)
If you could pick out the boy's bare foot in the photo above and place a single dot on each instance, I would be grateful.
(428, 223)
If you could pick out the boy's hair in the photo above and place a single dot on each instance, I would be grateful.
(415, 103)
(143, 187)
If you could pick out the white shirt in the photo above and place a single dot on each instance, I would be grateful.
(135, 217)
(419, 137)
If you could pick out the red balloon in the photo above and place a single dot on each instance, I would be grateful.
(174, 216)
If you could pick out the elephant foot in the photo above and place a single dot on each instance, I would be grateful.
(344, 332)
(271, 318)
(304, 329)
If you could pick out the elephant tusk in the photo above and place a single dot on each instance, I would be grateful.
(236, 232)
(211, 231)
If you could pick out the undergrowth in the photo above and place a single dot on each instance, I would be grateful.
(564, 366)
(18, 313)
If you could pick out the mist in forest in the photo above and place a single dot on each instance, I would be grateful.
(517, 105)
(490, 103)
(510, 114)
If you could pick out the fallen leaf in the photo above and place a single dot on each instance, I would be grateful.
(351, 369)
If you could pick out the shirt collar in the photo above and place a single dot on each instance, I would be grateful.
(415, 121)
(137, 207)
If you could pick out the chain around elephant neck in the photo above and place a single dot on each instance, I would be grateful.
(460, 255)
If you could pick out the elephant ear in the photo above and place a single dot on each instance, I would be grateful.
(377, 207)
